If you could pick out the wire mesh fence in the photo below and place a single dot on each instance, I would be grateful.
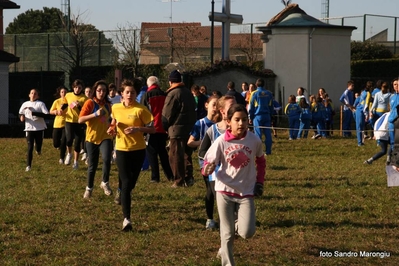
(162, 43)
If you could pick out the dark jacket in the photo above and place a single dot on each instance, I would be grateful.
(239, 98)
(154, 100)
(178, 113)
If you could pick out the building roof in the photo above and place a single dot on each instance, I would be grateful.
(6, 4)
(293, 16)
(7, 57)
(157, 35)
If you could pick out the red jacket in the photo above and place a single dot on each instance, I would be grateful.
(154, 100)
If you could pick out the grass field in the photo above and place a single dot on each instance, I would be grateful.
(319, 199)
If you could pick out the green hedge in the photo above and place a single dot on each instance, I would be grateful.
(385, 68)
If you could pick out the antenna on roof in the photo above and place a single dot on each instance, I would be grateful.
(171, 8)
(286, 2)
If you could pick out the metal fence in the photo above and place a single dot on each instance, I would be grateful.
(162, 45)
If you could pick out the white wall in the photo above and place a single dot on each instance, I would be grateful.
(301, 61)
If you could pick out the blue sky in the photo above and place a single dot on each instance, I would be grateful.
(108, 15)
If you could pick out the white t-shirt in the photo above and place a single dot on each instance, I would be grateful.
(32, 122)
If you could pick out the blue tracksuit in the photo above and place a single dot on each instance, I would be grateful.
(361, 111)
(347, 98)
(319, 116)
(293, 111)
(260, 112)
(304, 122)
(393, 115)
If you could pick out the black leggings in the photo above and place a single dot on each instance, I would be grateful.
(210, 197)
(74, 131)
(59, 141)
(33, 138)
(129, 166)
(384, 149)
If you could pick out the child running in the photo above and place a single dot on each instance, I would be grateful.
(238, 180)
(130, 120)
(58, 109)
(213, 132)
(96, 114)
(32, 112)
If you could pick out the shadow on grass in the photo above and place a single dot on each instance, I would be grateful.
(329, 224)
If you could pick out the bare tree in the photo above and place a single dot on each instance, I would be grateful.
(188, 44)
(128, 45)
(78, 42)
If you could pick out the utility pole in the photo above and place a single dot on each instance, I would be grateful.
(325, 10)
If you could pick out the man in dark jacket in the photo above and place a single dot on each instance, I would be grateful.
(178, 119)
(232, 91)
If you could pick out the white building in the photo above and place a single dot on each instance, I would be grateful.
(305, 52)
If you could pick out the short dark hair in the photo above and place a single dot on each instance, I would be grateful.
(260, 83)
(231, 85)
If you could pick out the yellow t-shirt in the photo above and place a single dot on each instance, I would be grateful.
(59, 121)
(72, 114)
(97, 127)
(136, 115)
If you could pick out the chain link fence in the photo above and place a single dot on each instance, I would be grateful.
(187, 43)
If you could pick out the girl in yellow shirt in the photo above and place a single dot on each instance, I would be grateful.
(74, 130)
(96, 113)
(58, 109)
(130, 121)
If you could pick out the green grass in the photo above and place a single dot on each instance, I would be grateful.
(318, 197)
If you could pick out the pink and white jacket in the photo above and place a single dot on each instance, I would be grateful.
(242, 163)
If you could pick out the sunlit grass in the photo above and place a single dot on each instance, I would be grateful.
(319, 196)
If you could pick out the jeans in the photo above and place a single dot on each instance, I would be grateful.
(236, 215)
(93, 153)
(384, 149)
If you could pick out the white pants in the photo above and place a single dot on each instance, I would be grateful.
(236, 215)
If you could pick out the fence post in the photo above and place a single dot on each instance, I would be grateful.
(341, 120)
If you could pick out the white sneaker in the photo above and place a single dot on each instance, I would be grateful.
(87, 193)
(210, 224)
(82, 151)
(106, 188)
(127, 225)
(75, 166)
(61, 161)
(67, 159)
(27, 169)
(84, 156)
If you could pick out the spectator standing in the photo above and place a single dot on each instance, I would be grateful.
(304, 119)
(113, 94)
(293, 111)
(347, 100)
(154, 100)
(232, 91)
(380, 102)
(260, 113)
(393, 115)
(178, 118)
(200, 100)
(362, 113)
